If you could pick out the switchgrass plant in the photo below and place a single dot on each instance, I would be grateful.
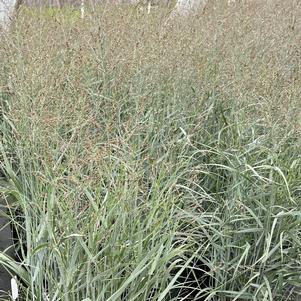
(154, 160)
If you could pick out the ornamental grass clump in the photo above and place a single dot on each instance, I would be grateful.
(152, 162)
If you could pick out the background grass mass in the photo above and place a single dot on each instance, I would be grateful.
(146, 161)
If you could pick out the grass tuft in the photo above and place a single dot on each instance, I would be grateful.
(146, 161)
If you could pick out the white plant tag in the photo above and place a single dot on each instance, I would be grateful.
(14, 288)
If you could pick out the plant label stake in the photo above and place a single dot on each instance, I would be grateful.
(14, 288)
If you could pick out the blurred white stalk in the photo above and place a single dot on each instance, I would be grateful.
(82, 9)
(148, 6)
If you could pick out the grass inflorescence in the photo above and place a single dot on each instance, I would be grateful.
(154, 160)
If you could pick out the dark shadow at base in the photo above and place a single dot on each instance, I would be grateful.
(6, 244)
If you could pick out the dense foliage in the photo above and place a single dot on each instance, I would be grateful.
(137, 151)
